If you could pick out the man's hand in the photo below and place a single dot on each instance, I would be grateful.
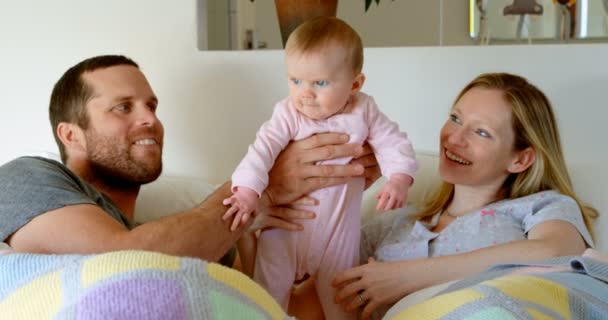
(368, 160)
(282, 217)
(295, 174)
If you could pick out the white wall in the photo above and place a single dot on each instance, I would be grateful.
(223, 97)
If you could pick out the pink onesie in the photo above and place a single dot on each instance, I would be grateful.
(329, 243)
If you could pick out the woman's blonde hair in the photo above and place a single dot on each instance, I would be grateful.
(535, 126)
(319, 32)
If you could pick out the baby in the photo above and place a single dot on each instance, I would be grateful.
(324, 58)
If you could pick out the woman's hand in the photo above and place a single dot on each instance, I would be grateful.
(372, 285)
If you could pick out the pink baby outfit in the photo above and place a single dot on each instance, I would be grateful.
(329, 243)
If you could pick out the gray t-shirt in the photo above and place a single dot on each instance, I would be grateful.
(396, 236)
(31, 186)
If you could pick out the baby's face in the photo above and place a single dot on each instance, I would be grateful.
(320, 83)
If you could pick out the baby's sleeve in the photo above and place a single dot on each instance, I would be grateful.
(271, 139)
(392, 147)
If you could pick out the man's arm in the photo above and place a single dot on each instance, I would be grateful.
(199, 232)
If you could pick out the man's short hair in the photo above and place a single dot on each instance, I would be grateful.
(71, 94)
(319, 32)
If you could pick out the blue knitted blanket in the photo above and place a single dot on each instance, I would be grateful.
(562, 288)
(127, 285)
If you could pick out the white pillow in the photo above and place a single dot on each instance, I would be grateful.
(426, 181)
(170, 194)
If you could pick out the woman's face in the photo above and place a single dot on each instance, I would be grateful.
(477, 140)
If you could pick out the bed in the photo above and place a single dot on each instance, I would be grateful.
(161, 286)
(414, 86)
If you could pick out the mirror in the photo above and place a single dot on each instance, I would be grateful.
(246, 24)
(532, 20)
(253, 25)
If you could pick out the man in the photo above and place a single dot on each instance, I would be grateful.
(103, 115)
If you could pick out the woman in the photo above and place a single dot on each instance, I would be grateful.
(506, 196)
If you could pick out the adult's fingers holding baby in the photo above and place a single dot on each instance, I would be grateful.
(333, 171)
(320, 139)
(305, 201)
(370, 164)
(366, 151)
(280, 217)
(367, 161)
(295, 174)
(324, 146)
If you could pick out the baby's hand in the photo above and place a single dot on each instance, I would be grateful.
(394, 193)
(243, 202)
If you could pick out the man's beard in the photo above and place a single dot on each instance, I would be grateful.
(111, 163)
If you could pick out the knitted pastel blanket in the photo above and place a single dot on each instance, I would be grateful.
(563, 288)
(127, 285)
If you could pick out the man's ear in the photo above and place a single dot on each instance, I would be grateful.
(72, 137)
(357, 83)
(523, 160)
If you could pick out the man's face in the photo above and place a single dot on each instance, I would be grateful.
(124, 139)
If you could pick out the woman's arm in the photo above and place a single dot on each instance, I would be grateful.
(382, 283)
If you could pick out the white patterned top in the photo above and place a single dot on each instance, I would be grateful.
(396, 236)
